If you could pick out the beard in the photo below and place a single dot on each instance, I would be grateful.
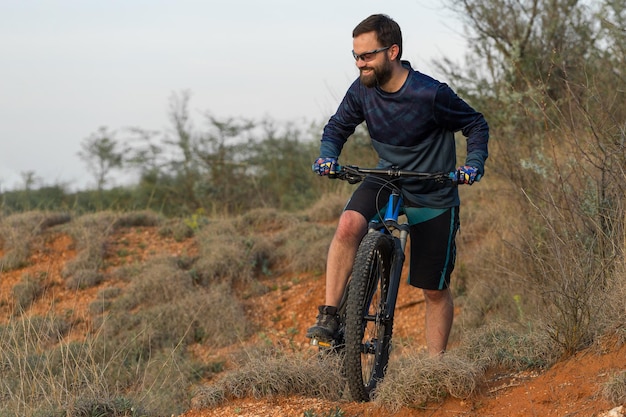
(378, 76)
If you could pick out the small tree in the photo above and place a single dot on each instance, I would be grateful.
(102, 153)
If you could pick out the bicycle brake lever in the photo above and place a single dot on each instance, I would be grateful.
(353, 179)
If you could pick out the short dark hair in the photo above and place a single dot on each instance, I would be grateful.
(387, 30)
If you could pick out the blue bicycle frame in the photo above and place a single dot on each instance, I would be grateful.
(389, 224)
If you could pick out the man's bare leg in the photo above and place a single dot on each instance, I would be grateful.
(350, 230)
(439, 317)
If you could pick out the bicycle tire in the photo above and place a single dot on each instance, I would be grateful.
(368, 326)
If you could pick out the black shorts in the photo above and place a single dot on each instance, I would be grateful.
(432, 235)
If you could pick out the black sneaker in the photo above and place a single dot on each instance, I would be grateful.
(326, 326)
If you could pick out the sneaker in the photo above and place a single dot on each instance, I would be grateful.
(326, 326)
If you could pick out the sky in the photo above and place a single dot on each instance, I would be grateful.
(69, 67)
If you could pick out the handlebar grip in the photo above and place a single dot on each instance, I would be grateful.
(336, 169)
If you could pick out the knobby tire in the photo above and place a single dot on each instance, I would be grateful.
(368, 326)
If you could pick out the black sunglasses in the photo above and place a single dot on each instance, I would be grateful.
(368, 56)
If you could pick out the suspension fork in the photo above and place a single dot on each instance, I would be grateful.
(395, 273)
(391, 223)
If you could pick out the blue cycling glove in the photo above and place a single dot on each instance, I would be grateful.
(467, 175)
(324, 166)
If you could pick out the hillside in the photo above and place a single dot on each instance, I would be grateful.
(571, 387)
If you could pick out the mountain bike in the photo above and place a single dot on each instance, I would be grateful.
(367, 307)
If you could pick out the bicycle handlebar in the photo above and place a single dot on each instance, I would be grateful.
(354, 174)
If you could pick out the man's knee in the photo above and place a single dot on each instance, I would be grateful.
(352, 226)
(437, 296)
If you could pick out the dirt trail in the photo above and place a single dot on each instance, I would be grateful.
(571, 388)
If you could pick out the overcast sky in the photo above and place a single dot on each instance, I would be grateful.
(68, 67)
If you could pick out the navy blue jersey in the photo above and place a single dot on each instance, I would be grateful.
(412, 129)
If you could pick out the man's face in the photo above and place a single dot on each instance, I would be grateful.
(375, 69)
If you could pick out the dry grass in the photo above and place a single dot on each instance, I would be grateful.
(144, 218)
(163, 307)
(243, 249)
(27, 374)
(504, 346)
(415, 380)
(90, 233)
(230, 254)
(304, 247)
(328, 208)
(270, 372)
(48, 376)
(612, 314)
(18, 231)
(27, 291)
(264, 221)
(614, 389)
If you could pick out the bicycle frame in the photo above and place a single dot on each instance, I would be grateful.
(390, 224)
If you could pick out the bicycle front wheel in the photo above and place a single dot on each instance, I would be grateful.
(368, 325)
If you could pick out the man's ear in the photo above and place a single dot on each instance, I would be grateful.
(394, 50)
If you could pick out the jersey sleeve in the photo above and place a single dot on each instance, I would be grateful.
(342, 124)
(456, 115)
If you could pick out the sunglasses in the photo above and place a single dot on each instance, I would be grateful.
(368, 56)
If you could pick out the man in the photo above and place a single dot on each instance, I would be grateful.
(411, 119)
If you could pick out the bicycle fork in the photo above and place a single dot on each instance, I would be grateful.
(391, 225)
(394, 278)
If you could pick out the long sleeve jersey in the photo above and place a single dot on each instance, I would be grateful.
(412, 129)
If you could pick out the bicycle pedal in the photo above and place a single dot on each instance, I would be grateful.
(320, 343)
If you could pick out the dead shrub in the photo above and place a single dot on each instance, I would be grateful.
(28, 333)
(103, 407)
(167, 326)
(144, 218)
(90, 233)
(178, 229)
(28, 290)
(327, 209)
(506, 346)
(614, 390)
(163, 307)
(264, 220)
(104, 300)
(18, 231)
(304, 246)
(159, 281)
(84, 279)
(54, 219)
(612, 310)
(415, 380)
(229, 254)
(568, 274)
(272, 372)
